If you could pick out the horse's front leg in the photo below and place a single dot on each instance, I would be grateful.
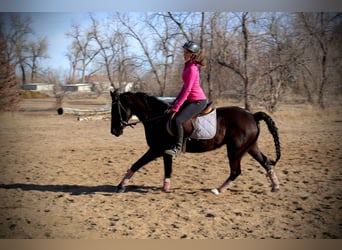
(167, 172)
(146, 158)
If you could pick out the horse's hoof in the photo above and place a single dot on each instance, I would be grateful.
(275, 190)
(215, 191)
(165, 188)
(167, 185)
(120, 189)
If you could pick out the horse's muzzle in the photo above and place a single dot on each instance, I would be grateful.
(116, 132)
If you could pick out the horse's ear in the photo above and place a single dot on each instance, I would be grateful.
(114, 92)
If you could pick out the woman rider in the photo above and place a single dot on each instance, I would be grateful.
(191, 100)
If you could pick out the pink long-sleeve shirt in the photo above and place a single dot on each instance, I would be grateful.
(191, 89)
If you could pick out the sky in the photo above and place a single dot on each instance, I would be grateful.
(53, 26)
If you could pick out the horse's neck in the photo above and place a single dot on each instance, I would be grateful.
(156, 108)
(140, 113)
(148, 109)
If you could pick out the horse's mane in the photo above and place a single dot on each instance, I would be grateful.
(154, 104)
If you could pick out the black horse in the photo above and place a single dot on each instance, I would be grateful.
(237, 128)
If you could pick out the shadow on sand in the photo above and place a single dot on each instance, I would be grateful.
(72, 189)
(76, 189)
(107, 189)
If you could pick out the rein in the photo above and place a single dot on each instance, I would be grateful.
(124, 123)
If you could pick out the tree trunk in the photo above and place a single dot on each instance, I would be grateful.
(34, 71)
(245, 57)
(323, 80)
(23, 74)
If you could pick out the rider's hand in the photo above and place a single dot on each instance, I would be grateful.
(170, 113)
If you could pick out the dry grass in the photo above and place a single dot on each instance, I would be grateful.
(28, 94)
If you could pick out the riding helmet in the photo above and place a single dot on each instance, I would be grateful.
(192, 46)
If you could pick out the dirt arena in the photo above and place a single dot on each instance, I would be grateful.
(58, 179)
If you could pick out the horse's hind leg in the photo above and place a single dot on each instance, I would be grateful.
(255, 152)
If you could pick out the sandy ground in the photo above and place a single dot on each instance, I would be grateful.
(58, 178)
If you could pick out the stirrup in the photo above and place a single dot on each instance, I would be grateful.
(175, 151)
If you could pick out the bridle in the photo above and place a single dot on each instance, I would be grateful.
(117, 104)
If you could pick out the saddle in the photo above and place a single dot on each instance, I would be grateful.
(203, 125)
(207, 108)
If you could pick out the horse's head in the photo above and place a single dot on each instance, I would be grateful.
(146, 108)
(120, 113)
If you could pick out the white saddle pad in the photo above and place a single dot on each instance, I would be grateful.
(205, 126)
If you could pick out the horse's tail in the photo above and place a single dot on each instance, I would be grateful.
(273, 130)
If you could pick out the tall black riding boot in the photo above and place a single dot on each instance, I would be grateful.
(176, 149)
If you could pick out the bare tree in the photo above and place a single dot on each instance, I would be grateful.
(73, 56)
(239, 64)
(180, 23)
(273, 59)
(82, 52)
(104, 49)
(36, 51)
(318, 27)
(211, 42)
(139, 37)
(166, 40)
(24, 50)
(10, 95)
(112, 54)
(162, 36)
(16, 38)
